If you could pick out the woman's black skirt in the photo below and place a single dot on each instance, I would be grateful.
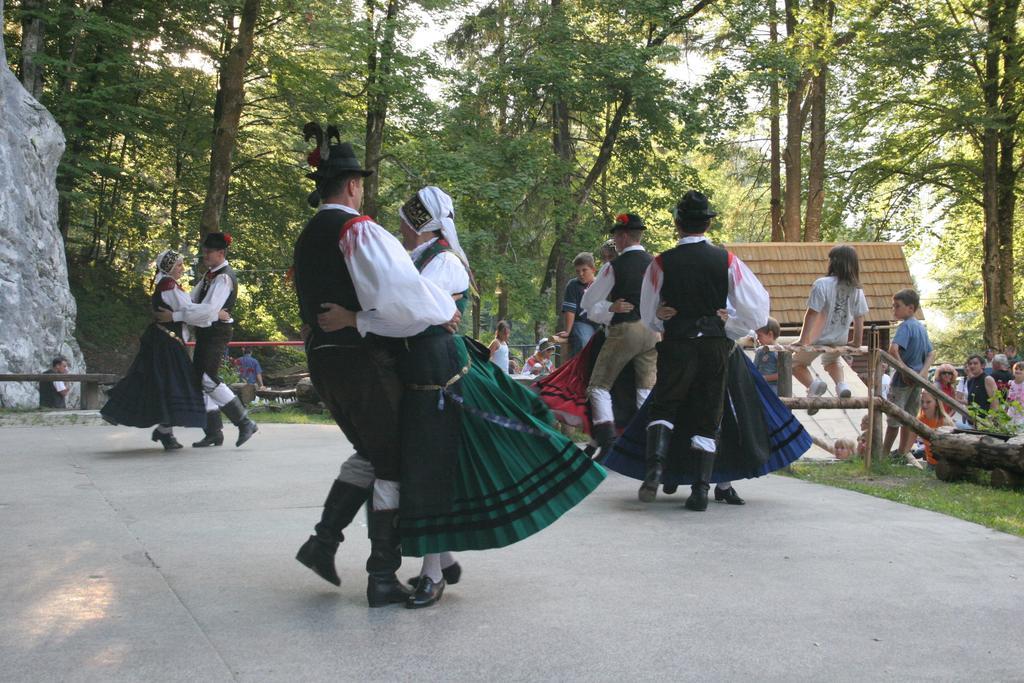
(159, 388)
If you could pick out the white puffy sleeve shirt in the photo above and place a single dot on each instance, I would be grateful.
(748, 302)
(445, 270)
(396, 300)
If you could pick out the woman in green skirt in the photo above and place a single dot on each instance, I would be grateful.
(516, 473)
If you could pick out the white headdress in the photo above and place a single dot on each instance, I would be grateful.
(431, 209)
(166, 260)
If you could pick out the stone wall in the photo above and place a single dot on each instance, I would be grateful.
(37, 311)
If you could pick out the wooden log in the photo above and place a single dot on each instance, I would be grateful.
(971, 450)
(874, 419)
(949, 472)
(822, 444)
(284, 394)
(1005, 479)
(824, 402)
(916, 378)
(784, 384)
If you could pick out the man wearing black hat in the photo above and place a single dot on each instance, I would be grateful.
(217, 290)
(696, 281)
(629, 340)
(345, 260)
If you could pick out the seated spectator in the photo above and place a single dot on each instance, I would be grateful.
(767, 362)
(1001, 372)
(945, 381)
(1015, 396)
(934, 416)
(844, 449)
(540, 362)
(979, 389)
(54, 394)
(249, 368)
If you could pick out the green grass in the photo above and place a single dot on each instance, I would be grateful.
(291, 416)
(972, 501)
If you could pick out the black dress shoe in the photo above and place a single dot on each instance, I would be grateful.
(427, 593)
(168, 441)
(670, 488)
(318, 555)
(451, 574)
(209, 440)
(729, 496)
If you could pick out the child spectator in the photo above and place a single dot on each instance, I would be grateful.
(767, 362)
(1015, 396)
(835, 301)
(934, 416)
(578, 328)
(862, 440)
(540, 362)
(844, 449)
(499, 346)
(945, 381)
(912, 346)
(249, 369)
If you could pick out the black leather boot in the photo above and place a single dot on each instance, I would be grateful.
(604, 434)
(427, 593)
(239, 417)
(729, 496)
(167, 439)
(214, 431)
(659, 436)
(383, 587)
(340, 508)
(698, 500)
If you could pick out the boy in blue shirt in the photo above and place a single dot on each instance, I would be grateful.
(912, 346)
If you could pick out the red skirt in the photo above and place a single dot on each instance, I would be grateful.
(565, 390)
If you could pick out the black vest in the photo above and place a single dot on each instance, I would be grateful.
(696, 284)
(48, 396)
(321, 275)
(204, 287)
(629, 269)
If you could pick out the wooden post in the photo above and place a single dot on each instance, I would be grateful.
(90, 395)
(785, 381)
(874, 419)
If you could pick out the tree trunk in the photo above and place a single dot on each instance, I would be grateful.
(32, 35)
(380, 65)
(794, 134)
(778, 233)
(994, 296)
(1008, 170)
(816, 147)
(230, 100)
(502, 300)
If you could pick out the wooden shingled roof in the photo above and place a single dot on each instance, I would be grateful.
(788, 269)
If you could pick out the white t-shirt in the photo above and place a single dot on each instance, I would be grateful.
(840, 303)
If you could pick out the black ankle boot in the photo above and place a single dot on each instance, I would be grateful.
(427, 593)
(604, 434)
(214, 431)
(340, 508)
(167, 439)
(729, 496)
(698, 500)
(383, 587)
(239, 417)
(659, 437)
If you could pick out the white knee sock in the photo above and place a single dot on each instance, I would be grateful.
(219, 394)
(385, 494)
(432, 567)
(724, 485)
(601, 405)
(447, 560)
(164, 429)
(641, 396)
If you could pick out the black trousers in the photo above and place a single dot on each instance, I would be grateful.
(691, 383)
(359, 385)
(208, 355)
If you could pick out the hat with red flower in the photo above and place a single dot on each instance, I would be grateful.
(217, 240)
(627, 221)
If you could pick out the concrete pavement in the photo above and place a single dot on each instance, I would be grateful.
(121, 562)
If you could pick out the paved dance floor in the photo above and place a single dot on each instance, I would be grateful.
(121, 562)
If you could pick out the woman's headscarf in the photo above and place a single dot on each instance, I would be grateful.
(165, 263)
(431, 209)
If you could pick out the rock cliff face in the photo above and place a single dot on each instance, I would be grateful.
(37, 311)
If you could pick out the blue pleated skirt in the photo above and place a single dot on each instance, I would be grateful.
(764, 435)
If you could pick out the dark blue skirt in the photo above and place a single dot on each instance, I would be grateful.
(759, 434)
(159, 388)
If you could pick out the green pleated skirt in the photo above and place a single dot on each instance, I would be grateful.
(516, 473)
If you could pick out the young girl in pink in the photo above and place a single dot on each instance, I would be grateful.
(1015, 393)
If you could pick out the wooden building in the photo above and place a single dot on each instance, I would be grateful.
(788, 269)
